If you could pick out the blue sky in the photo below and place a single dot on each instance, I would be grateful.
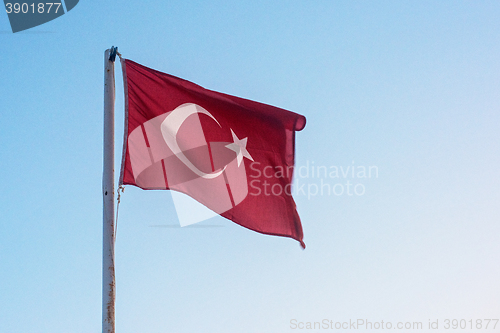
(409, 87)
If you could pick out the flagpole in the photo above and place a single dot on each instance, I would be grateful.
(108, 190)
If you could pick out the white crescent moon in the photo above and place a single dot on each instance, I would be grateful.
(169, 128)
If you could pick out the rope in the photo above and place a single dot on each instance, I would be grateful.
(122, 188)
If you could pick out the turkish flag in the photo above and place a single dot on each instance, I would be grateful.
(233, 155)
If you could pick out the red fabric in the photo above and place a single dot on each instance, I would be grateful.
(259, 191)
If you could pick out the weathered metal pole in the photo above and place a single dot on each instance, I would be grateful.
(108, 190)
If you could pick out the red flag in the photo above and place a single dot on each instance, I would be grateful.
(233, 155)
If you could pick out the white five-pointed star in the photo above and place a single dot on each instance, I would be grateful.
(240, 147)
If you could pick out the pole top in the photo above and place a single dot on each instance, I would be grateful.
(112, 54)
